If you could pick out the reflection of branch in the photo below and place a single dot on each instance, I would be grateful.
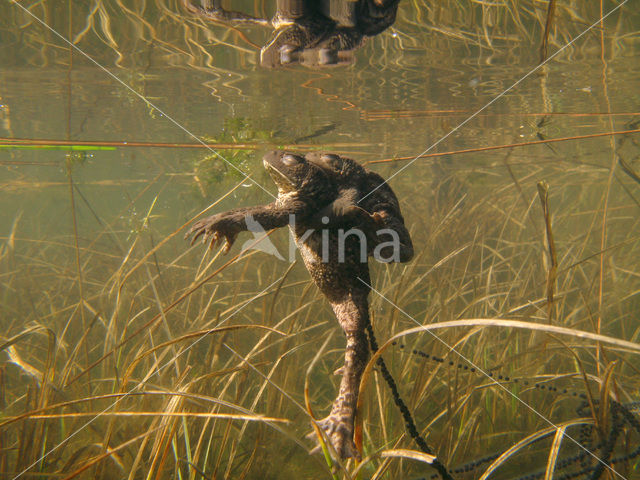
(168, 26)
(627, 169)
(547, 30)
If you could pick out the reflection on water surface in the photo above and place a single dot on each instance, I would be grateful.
(308, 32)
(100, 294)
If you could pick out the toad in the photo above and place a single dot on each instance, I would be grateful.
(316, 33)
(340, 214)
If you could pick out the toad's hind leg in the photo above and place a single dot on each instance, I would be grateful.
(339, 425)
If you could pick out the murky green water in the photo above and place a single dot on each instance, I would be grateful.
(91, 252)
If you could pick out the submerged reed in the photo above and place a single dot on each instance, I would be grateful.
(127, 354)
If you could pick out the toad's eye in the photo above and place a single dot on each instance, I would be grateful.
(290, 160)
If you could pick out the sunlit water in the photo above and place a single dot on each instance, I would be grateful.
(74, 226)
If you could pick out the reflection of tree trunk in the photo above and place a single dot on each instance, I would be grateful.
(211, 4)
(213, 9)
(290, 8)
(343, 12)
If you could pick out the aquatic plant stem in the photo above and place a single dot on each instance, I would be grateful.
(159, 368)
(517, 324)
(70, 43)
(499, 96)
(69, 169)
(499, 147)
(55, 144)
(168, 308)
(109, 452)
(410, 424)
(286, 395)
(605, 207)
(323, 445)
(543, 193)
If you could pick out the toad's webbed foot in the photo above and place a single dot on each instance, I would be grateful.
(340, 432)
(214, 230)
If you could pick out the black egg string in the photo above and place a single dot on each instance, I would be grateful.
(584, 457)
(621, 415)
(494, 376)
(404, 410)
(585, 439)
(610, 442)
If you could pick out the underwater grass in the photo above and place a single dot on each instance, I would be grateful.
(194, 409)
(491, 273)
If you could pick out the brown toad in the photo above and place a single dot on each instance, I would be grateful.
(340, 214)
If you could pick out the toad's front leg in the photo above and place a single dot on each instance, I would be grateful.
(227, 225)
